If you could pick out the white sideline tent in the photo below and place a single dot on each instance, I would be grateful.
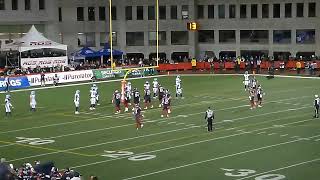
(34, 40)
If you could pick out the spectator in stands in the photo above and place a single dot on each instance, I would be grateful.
(258, 65)
(194, 64)
(298, 66)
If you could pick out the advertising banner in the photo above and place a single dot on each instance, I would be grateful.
(64, 77)
(119, 73)
(15, 83)
(44, 62)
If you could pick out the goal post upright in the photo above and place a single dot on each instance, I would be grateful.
(129, 70)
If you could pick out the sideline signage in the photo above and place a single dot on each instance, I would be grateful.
(64, 77)
(44, 62)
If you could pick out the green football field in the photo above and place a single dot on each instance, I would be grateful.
(281, 140)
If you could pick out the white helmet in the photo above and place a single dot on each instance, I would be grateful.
(178, 76)
(33, 93)
(8, 96)
(129, 83)
(94, 85)
(147, 82)
(155, 79)
(316, 96)
(246, 72)
(77, 91)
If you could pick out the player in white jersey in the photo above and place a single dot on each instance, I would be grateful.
(178, 80)
(260, 94)
(246, 80)
(155, 88)
(179, 91)
(128, 87)
(8, 105)
(76, 101)
(146, 85)
(93, 99)
(95, 88)
(33, 101)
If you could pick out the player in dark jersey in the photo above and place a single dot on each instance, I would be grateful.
(166, 106)
(251, 98)
(117, 101)
(161, 94)
(42, 79)
(136, 97)
(259, 95)
(138, 117)
(147, 99)
(168, 96)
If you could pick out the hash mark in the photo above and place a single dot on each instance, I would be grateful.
(283, 135)
(263, 132)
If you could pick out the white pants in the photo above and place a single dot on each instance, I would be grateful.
(77, 104)
(33, 105)
(8, 109)
(246, 83)
(93, 100)
(155, 90)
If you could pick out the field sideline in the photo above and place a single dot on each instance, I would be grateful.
(278, 141)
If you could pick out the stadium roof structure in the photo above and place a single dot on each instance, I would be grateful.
(33, 40)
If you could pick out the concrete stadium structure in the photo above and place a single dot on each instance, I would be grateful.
(226, 27)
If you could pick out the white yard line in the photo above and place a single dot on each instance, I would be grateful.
(283, 135)
(282, 168)
(173, 147)
(263, 132)
(214, 159)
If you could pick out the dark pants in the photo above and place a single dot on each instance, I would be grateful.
(210, 121)
(194, 68)
(316, 112)
(298, 70)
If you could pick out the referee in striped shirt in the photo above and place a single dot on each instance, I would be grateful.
(209, 117)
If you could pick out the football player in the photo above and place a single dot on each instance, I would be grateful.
(138, 117)
(168, 96)
(117, 100)
(178, 80)
(136, 97)
(246, 81)
(147, 99)
(155, 87)
(33, 102)
(128, 86)
(95, 88)
(165, 104)
(76, 101)
(93, 99)
(316, 106)
(55, 80)
(8, 105)
(251, 98)
(127, 100)
(259, 95)
(160, 95)
(179, 91)
(146, 85)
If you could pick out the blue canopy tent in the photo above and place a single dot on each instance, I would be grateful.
(84, 53)
(106, 51)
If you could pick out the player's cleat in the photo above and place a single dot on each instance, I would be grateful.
(169, 111)
(151, 106)
(162, 116)
(91, 108)
(137, 129)
(146, 108)
(76, 112)
(141, 125)
(259, 106)
(126, 109)
(251, 108)
(159, 105)
(98, 104)
(167, 115)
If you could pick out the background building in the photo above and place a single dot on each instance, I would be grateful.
(226, 27)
